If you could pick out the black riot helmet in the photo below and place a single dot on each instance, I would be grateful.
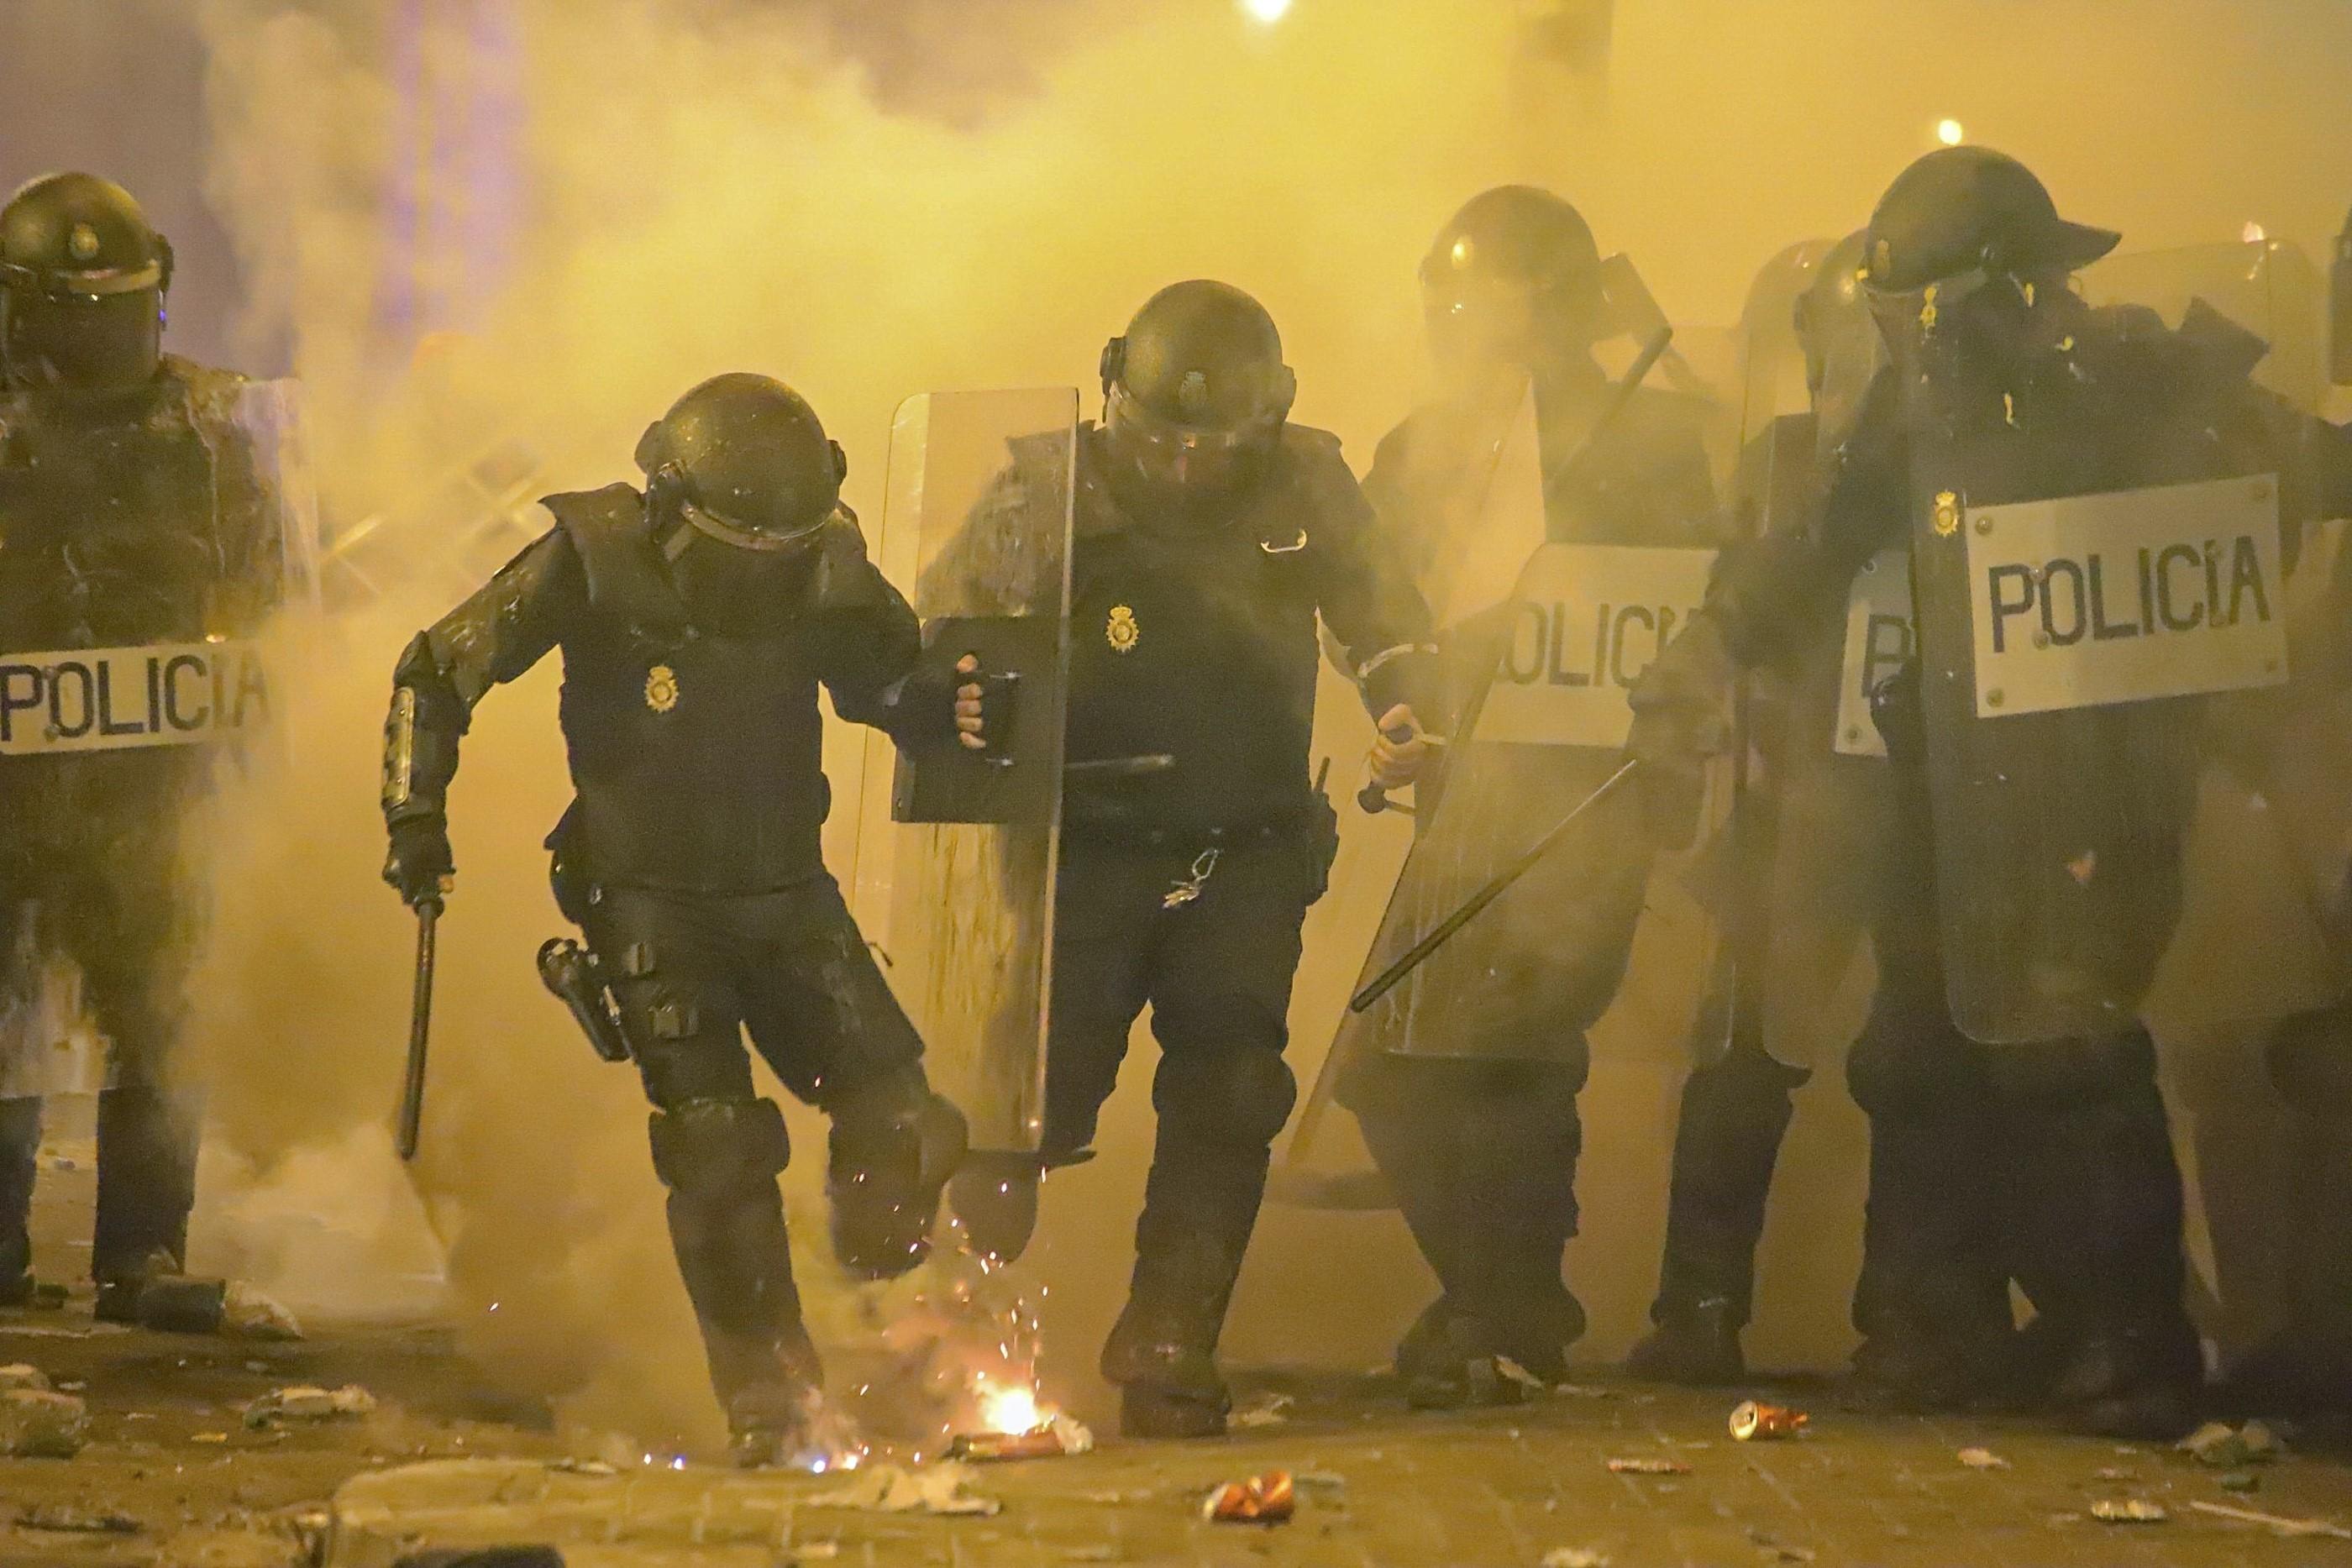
(83, 280)
(1513, 278)
(1962, 210)
(1195, 394)
(1966, 250)
(740, 480)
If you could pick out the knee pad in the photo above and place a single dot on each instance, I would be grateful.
(2310, 1061)
(718, 1145)
(1235, 1097)
(1911, 1066)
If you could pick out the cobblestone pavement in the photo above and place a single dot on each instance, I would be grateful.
(442, 1463)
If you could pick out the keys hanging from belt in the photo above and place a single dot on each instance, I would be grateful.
(1188, 888)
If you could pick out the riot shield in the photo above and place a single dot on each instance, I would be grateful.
(2076, 604)
(957, 850)
(142, 563)
(2262, 933)
(2268, 287)
(1806, 838)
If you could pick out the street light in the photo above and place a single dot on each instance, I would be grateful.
(1266, 12)
(1950, 132)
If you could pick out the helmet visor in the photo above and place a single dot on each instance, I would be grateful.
(1167, 452)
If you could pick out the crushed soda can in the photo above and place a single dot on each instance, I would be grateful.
(1644, 1466)
(983, 1448)
(1261, 1499)
(1753, 1422)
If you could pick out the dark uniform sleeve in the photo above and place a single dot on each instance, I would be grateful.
(1768, 593)
(508, 625)
(866, 639)
(1366, 595)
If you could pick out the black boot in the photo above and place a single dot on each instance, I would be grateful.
(1932, 1302)
(720, 1160)
(2098, 1218)
(20, 1147)
(1447, 1361)
(1200, 1205)
(892, 1156)
(146, 1189)
(1728, 1138)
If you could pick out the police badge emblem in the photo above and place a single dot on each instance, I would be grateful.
(661, 688)
(1122, 632)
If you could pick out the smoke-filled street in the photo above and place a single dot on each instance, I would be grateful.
(1532, 782)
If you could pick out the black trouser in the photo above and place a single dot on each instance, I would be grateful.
(1482, 1158)
(120, 905)
(692, 973)
(1217, 971)
(2050, 1164)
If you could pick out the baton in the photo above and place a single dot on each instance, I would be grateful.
(420, 1030)
(1387, 978)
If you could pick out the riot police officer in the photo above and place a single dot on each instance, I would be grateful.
(2044, 1157)
(1803, 833)
(1471, 1112)
(1211, 533)
(134, 513)
(697, 619)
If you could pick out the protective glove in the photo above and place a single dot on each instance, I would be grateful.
(420, 867)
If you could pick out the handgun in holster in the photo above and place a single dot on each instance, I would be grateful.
(577, 981)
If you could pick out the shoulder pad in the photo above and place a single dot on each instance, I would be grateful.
(608, 532)
(212, 393)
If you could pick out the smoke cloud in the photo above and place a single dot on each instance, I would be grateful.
(536, 221)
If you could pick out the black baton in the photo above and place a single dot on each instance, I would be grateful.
(420, 1030)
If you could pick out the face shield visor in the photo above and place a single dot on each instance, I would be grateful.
(1178, 462)
(736, 579)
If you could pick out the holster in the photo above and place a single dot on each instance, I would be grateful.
(573, 976)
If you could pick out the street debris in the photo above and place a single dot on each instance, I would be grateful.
(18, 1374)
(943, 1489)
(36, 1424)
(1779, 1550)
(1982, 1459)
(302, 1403)
(1261, 1499)
(1263, 1410)
(209, 1437)
(1328, 1481)
(2226, 1448)
(64, 1520)
(246, 1313)
(2280, 1523)
(1575, 1557)
(1648, 1467)
(1063, 1435)
(584, 1467)
(1753, 1422)
(1514, 1372)
(2129, 1511)
(2239, 1481)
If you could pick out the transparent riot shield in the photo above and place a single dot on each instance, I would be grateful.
(957, 850)
(145, 563)
(2084, 605)
(1810, 830)
(2268, 287)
